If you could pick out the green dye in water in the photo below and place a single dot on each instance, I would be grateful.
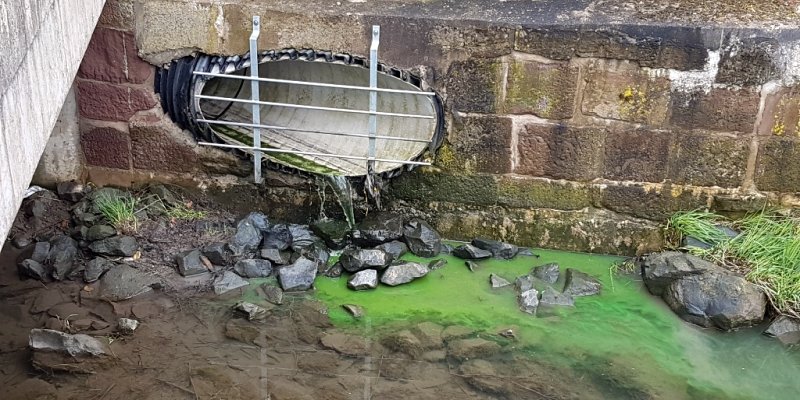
(623, 332)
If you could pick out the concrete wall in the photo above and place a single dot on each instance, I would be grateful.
(43, 42)
(568, 127)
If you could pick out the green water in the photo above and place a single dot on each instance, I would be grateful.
(624, 336)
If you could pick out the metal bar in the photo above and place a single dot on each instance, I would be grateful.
(255, 96)
(346, 110)
(372, 127)
(309, 153)
(246, 125)
(320, 84)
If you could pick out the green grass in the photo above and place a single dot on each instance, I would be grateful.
(119, 210)
(767, 250)
(184, 212)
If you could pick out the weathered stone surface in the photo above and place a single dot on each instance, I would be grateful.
(497, 248)
(332, 232)
(298, 276)
(246, 239)
(189, 263)
(116, 246)
(436, 264)
(498, 281)
(472, 266)
(548, 272)
(475, 85)
(727, 110)
(773, 172)
(394, 248)
(403, 342)
(403, 272)
(251, 311)
(96, 268)
(277, 257)
(124, 282)
(303, 238)
(456, 332)
(228, 281)
(354, 309)
(153, 147)
(106, 147)
(716, 299)
(422, 240)
(781, 115)
(552, 298)
(528, 301)
(659, 270)
(61, 257)
(637, 155)
(435, 186)
(706, 160)
(629, 95)
(127, 326)
(109, 102)
(278, 237)
(363, 280)
(349, 345)
(70, 191)
(525, 282)
(470, 252)
(429, 335)
(786, 329)
(378, 228)
(40, 252)
(354, 259)
(651, 202)
(546, 90)
(464, 349)
(54, 350)
(217, 253)
(748, 61)
(100, 231)
(245, 331)
(253, 268)
(560, 151)
(273, 294)
(529, 192)
(111, 57)
(33, 269)
(580, 284)
(481, 375)
(117, 14)
(478, 144)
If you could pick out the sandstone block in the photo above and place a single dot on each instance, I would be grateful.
(560, 151)
(727, 110)
(703, 159)
(109, 102)
(474, 85)
(106, 147)
(479, 144)
(638, 155)
(631, 96)
(546, 90)
(777, 168)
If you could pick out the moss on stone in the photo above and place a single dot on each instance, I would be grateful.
(543, 193)
(427, 185)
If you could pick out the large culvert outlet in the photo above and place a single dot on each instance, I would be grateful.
(307, 130)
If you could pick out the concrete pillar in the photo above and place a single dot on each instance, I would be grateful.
(62, 159)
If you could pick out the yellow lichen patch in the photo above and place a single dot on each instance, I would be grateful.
(634, 103)
(779, 128)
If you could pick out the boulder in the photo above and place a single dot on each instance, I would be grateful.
(470, 252)
(498, 249)
(115, 246)
(436, 264)
(99, 232)
(228, 281)
(332, 232)
(302, 237)
(529, 301)
(217, 253)
(277, 257)
(716, 299)
(497, 281)
(661, 269)
(61, 257)
(466, 349)
(246, 239)
(96, 268)
(32, 269)
(378, 228)
(552, 298)
(253, 268)
(395, 248)
(272, 293)
(124, 282)
(548, 272)
(578, 283)
(251, 311)
(354, 260)
(189, 263)
(298, 276)
(258, 220)
(403, 272)
(278, 237)
(315, 252)
(54, 350)
(422, 240)
(363, 280)
(785, 328)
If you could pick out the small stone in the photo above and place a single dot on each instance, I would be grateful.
(70, 191)
(470, 252)
(529, 301)
(163, 194)
(127, 326)
(334, 271)
(115, 246)
(353, 309)
(40, 252)
(550, 298)
(189, 263)
(96, 268)
(446, 248)
(580, 284)
(63, 250)
(786, 329)
(547, 272)
(277, 257)
(73, 345)
(472, 266)
(228, 281)
(422, 240)
(395, 248)
(253, 268)
(246, 239)
(498, 281)
(354, 260)
(273, 294)
(259, 220)
(363, 280)
(403, 272)
(498, 249)
(251, 311)
(31, 269)
(436, 264)
(429, 334)
(298, 276)
(524, 251)
(217, 253)
(100, 231)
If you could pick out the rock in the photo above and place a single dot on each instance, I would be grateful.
(21, 240)
(277, 257)
(246, 239)
(661, 269)
(421, 239)
(786, 329)
(354, 260)
(353, 309)
(481, 375)
(35, 207)
(349, 345)
(334, 271)
(689, 242)
(498, 249)
(258, 220)
(716, 299)
(315, 252)
(332, 232)
(278, 237)
(273, 294)
(99, 231)
(245, 331)
(228, 281)
(403, 272)
(429, 335)
(189, 263)
(552, 298)
(498, 281)
(395, 248)
(298, 276)
(524, 251)
(41, 250)
(434, 356)
(465, 349)
(529, 301)
(251, 311)
(579, 284)
(217, 253)
(58, 351)
(127, 325)
(123, 282)
(363, 280)
(96, 268)
(470, 252)
(403, 342)
(70, 191)
(456, 332)
(472, 266)
(524, 282)
(378, 228)
(253, 268)
(548, 272)
(115, 246)
(32, 269)
(302, 237)
(63, 250)
(446, 248)
(436, 264)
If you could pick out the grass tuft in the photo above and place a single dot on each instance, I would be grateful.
(701, 225)
(119, 210)
(185, 212)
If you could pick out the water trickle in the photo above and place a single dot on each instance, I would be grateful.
(343, 191)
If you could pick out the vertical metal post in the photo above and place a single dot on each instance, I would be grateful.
(255, 96)
(373, 95)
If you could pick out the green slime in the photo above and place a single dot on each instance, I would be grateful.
(622, 332)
